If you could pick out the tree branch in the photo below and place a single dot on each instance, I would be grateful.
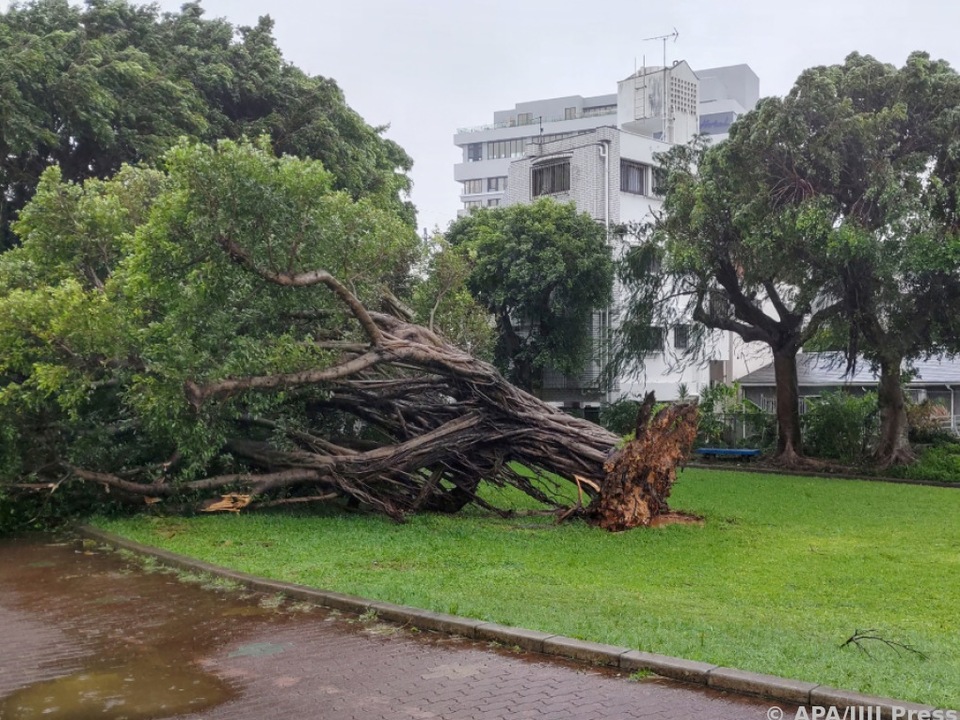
(261, 482)
(198, 394)
(326, 497)
(305, 279)
(744, 308)
(749, 333)
(778, 304)
(283, 477)
(119, 483)
(818, 319)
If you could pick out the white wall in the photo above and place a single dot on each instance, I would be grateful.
(660, 103)
(590, 177)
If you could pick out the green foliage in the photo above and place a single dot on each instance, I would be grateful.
(939, 463)
(121, 292)
(841, 426)
(541, 270)
(926, 421)
(90, 88)
(723, 254)
(52, 508)
(620, 417)
(871, 152)
(442, 301)
(836, 203)
(782, 572)
(727, 419)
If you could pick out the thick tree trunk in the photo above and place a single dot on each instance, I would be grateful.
(893, 447)
(789, 447)
(639, 477)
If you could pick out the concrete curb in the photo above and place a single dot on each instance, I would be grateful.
(719, 678)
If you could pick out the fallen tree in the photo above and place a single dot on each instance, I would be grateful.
(210, 360)
(449, 421)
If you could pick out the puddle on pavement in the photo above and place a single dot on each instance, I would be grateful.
(135, 692)
(136, 640)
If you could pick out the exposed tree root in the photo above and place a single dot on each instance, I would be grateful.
(887, 457)
(793, 461)
(639, 477)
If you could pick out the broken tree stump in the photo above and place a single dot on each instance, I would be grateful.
(639, 477)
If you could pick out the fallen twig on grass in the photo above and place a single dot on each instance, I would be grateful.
(861, 636)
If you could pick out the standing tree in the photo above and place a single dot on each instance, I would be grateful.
(441, 300)
(870, 152)
(837, 203)
(541, 270)
(722, 254)
(90, 88)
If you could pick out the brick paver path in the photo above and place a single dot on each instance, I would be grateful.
(64, 612)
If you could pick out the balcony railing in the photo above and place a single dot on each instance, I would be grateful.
(536, 119)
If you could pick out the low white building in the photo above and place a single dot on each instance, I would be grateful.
(600, 154)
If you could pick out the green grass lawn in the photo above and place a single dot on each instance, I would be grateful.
(782, 573)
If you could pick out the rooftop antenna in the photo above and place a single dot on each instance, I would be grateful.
(675, 34)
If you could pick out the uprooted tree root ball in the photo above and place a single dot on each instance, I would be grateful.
(639, 477)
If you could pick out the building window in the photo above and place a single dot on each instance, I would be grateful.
(493, 202)
(633, 177)
(681, 337)
(471, 204)
(570, 113)
(554, 136)
(716, 123)
(524, 118)
(683, 95)
(474, 152)
(654, 340)
(496, 184)
(600, 110)
(472, 187)
(506, 148)
(551, 177)
(651, 263)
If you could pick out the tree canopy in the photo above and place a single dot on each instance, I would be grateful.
(836, 204)
(541, 270)
(867, 155)
(182, 319)
(90, 88)
(721, 254)
(125, 290)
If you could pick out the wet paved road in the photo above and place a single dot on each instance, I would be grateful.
(86, 634)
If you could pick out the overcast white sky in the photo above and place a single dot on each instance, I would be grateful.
(427, 67)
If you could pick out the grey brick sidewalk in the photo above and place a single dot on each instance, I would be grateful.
(62, 611)
(325, 672)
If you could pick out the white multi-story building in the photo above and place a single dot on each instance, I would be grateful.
(600, 154)
(707, 101)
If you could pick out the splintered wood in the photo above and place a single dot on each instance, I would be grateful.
(639, 477)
